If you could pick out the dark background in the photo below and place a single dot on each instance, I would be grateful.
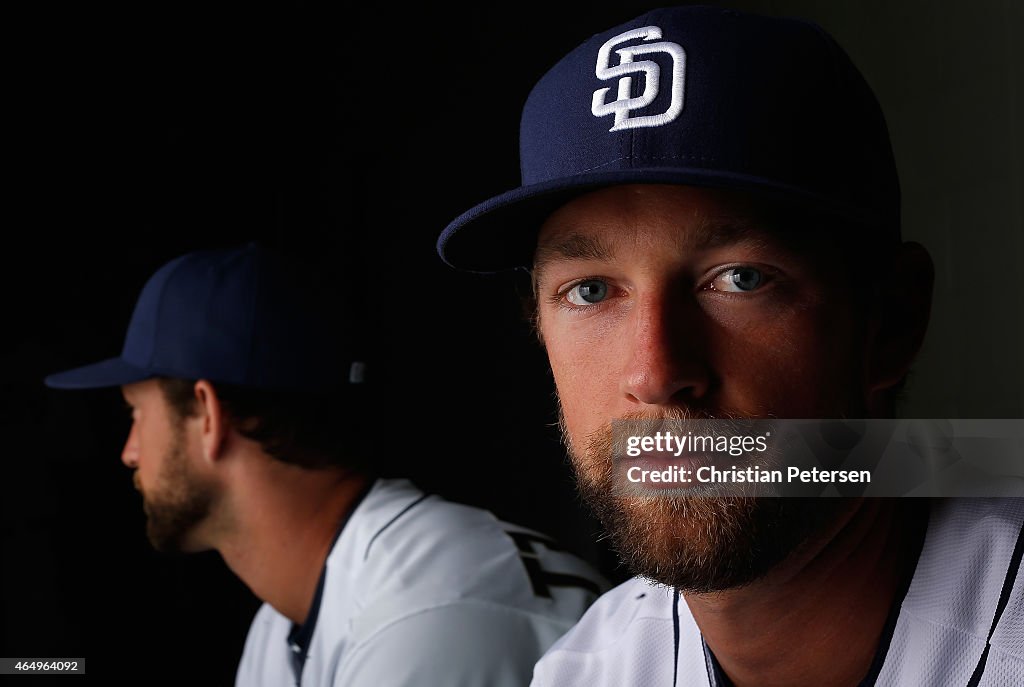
(141, 134)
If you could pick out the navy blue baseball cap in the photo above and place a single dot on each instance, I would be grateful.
(698, 96)
(247, 316)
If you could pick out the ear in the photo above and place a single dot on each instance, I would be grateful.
(213, 424)
(900, 311)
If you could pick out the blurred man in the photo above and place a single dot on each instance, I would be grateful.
(250, 436)
(710, 212)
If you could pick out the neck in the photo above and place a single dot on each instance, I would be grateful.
(284, 521)
(820, 615)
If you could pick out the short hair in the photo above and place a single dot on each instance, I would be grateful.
(311, 430)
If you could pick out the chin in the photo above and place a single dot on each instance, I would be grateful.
(701, 545)
(175, 527)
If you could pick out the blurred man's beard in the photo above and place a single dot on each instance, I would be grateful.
(695, 544)
(178, 502)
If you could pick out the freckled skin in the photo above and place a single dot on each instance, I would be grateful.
(672, 335)
(668, 330)
(663, 339)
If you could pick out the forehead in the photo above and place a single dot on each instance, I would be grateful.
(592, 226)
(141, 391)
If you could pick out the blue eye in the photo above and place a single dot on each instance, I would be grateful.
(587, 292)
(738, 279)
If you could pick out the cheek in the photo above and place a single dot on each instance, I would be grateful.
(800, 363)
(148, 456)
(155, 442)
(584, 378)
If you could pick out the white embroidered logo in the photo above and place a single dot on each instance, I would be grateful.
(624, 104)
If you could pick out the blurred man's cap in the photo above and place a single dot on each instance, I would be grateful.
(246, 316)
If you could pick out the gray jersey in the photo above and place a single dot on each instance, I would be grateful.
(421, 591)
(961, 621)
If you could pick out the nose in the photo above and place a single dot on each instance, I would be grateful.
(667, 363)
(130, 452)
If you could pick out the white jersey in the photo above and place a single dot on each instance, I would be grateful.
(960, 623)
(421, 591)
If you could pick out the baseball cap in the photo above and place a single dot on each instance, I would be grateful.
(700, 96)
(247, 316)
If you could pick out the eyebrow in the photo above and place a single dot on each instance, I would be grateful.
(573, 247)
(718, 232)
(707, 234)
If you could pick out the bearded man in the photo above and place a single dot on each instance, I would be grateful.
(710, 214)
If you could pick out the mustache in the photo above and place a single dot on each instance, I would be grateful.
(646, 423)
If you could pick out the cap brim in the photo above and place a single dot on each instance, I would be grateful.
(501, 233)
(111, 372)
